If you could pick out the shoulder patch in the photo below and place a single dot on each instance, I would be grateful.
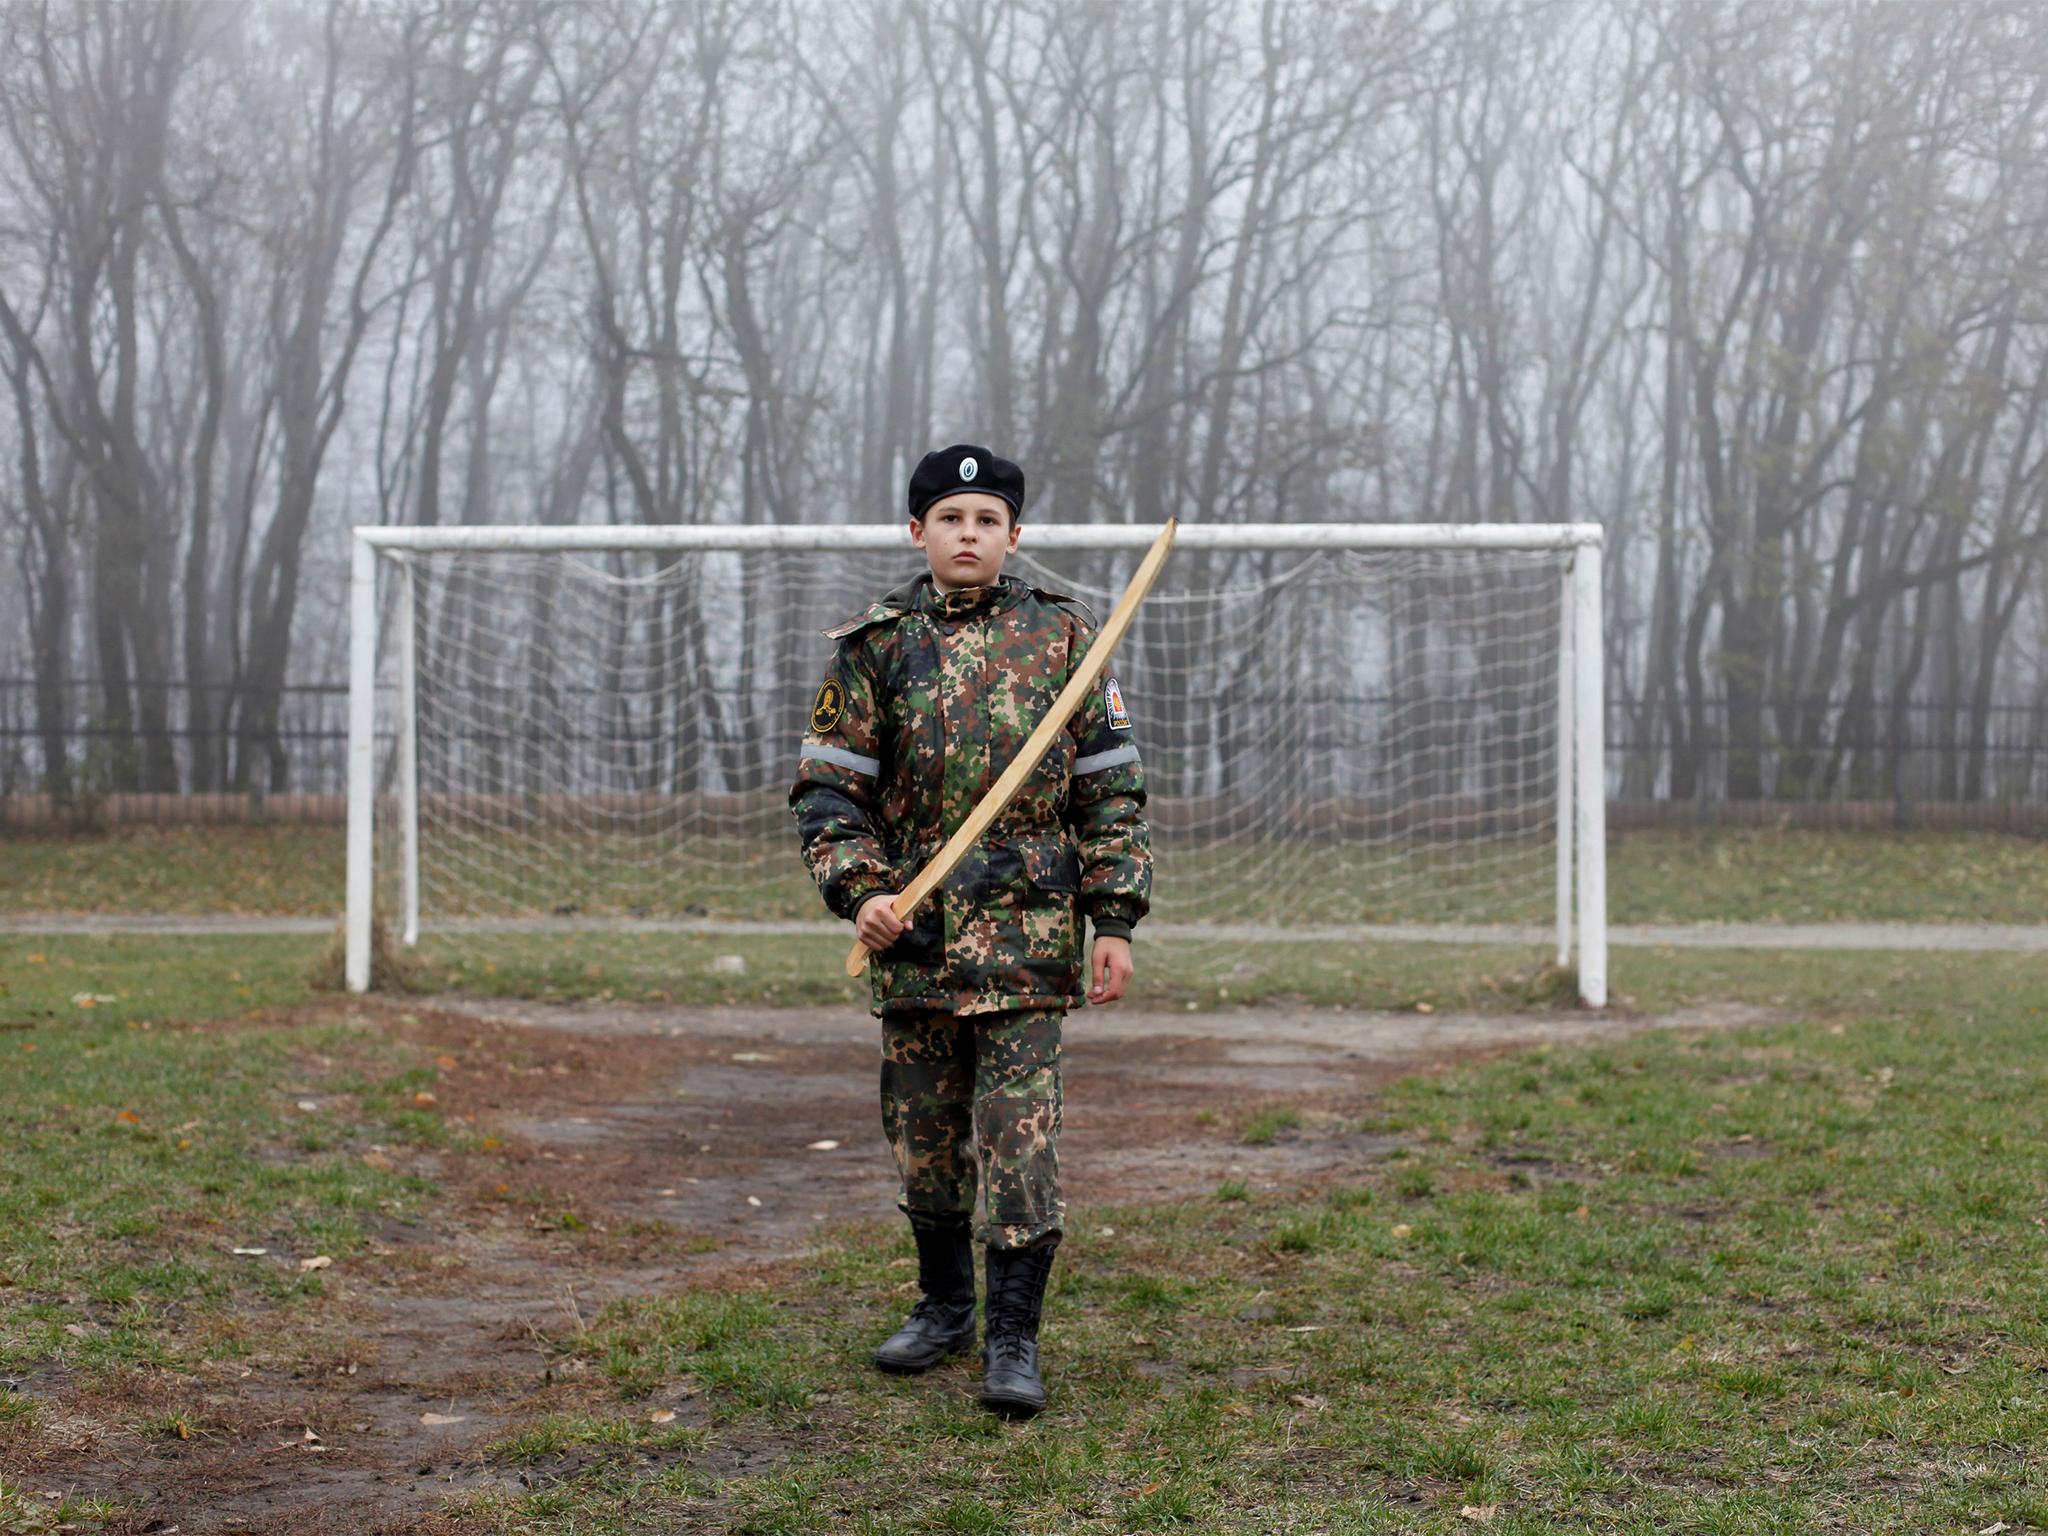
(1113, 701)
(828, 707)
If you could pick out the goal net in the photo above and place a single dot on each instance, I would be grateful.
(575, 746)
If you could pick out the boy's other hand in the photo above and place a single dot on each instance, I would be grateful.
(876, 923)
(1111, 963)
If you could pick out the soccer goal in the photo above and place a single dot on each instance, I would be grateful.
(1353, 734)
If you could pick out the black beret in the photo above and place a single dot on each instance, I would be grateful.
(965, 467)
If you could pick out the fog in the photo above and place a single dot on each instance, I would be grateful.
(1760, 287)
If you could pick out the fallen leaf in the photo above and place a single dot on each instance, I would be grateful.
(318, 1261)
(436, 1420)
(76, 1330)
(1309, 1401)
(446, 1063)
(823, 1146)
(1400, 1229)
(377, 1160)
(309, 1106)
(184, 1143)
(1582, 1214)
(662, 1416)
(1149, 1488)
(128, 1117)
(424, 1097)
(1478, 1514)
(1425, 1008)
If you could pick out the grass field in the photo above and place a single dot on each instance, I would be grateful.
(1783, 1282)
(1780, 1279)
(1709, 875)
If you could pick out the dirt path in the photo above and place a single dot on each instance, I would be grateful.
(645, 1150)
(754, 1088)
(2022, 937)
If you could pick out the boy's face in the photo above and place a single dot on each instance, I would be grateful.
(966, 536)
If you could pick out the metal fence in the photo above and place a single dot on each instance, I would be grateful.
(1911, 768)
(296, 772)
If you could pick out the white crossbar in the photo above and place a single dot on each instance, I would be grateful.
(1297, 536)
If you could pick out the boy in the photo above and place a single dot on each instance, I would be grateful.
(929, 697)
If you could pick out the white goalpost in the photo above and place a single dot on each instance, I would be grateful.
(1353, 733)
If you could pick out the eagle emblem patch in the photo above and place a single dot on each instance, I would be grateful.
(1113, 700)
(830, 705)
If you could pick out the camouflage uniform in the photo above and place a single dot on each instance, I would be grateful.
(929, 698)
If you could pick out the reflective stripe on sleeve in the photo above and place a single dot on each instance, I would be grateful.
(1095, 762)
(871, 766)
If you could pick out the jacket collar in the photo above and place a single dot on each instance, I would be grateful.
(921, 595)
(968, 602)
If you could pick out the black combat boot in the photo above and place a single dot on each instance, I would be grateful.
(1010, 1382)
(942, 1322)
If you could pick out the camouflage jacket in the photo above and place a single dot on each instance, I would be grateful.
(929, 698)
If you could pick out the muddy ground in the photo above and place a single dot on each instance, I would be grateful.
(642, 1149)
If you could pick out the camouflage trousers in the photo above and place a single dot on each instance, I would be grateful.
(980, 1091)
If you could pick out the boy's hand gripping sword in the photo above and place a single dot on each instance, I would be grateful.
(1040, 741)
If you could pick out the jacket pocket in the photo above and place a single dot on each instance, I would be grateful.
(1048, 922)
(1051, 863)
(924, 941)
